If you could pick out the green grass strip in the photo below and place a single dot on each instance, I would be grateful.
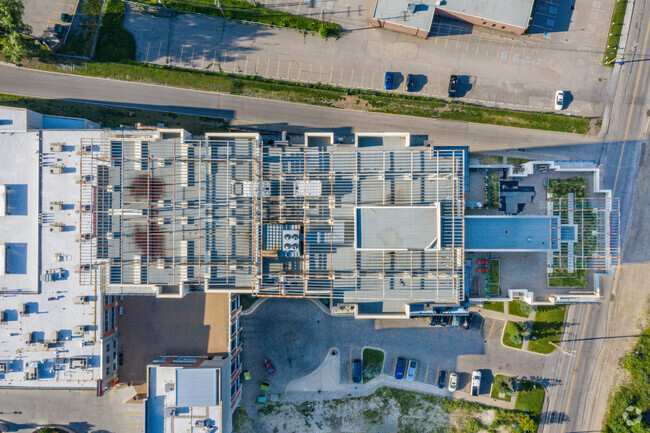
(373, 362)
(516, 308)
(324, 95)
(547, 327)
(615, 30)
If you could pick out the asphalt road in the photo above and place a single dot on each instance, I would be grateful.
(578, 405)
(266, 115)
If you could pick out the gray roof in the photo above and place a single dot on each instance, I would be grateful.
(197, 387)
(513, 12)
(397, 228)
(396, 12)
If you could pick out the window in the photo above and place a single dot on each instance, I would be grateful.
(108, 358)
(494, 25)
(484, 22)
(503, 27)
(108, 370)
(114, 344)
(233, 343)
(234, 304)
(233, 327)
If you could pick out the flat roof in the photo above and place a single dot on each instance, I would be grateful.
(396, 12)
(507, 233)
(397, 228)
(513, 12)
(197, 387)
(39, 202)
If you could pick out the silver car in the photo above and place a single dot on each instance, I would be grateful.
(410, 371)
(453, 382)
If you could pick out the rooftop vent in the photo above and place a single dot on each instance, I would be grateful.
(57, 169)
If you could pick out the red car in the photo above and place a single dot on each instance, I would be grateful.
(483, 262)
(482, 270)
(269, 367)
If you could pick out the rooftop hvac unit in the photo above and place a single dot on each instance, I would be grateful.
(57, 169)
(86, 148)
(81, 300)
(56, 205)
(56, 227)
(83, 208)
(56, 147)
(79, 330)
(169, 387)
(31, 373)
(78, 363)
(84, 179)
(4, 367)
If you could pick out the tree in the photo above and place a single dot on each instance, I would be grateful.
(527, 424)
(509, 386)
(14, 47)
(516, 339)
(47, 430)
(11, 18)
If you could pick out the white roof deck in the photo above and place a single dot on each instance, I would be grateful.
(33, 251)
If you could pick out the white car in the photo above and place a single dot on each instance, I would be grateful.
(559, 100)
(453, 382)
(476, 383)
(410, 371)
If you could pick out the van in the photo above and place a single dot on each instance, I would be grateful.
(356, 371)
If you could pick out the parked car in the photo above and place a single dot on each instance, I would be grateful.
(400, 365)
(455, 321)
(483, 262)
(410, 82)
(482, 270)
(435, 321)
(466, 322)
(453, 382)
(446, 321)
(453, 86)
(388, 81)
(476, 382)
(559, 100)
(410, 371)
(265, 385)
(66, 18)
(269, 367)
(442, 376)
(356, 371)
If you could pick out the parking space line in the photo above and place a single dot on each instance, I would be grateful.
(437, 373)
(372, 83)
(478, 44)
(257, 65)
(268, 63)
(132, 414)
(341, 79)
(331, 71)
(352, 78)
(362, 73)
(309, 79)
(351, 364)
(246, 66)
(64, 4)
(491, 327)
(134, 426)
(277, 74)
(426, 375)
(320, 75)
(289, 70)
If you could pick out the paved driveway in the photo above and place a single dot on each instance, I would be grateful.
(297, 335)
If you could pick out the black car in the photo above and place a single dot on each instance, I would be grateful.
(410, 82)
(466, 322)
(453, 85)
(435, 321)
(446, 321)
(442, 379)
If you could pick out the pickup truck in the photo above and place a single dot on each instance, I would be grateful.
(476, 382)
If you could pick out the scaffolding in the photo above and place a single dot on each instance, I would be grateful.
(213, 215)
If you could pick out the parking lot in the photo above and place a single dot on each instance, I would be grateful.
(495, 69)
(43, 15)
(296, 336)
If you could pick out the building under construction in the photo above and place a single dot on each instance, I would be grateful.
(376, 225)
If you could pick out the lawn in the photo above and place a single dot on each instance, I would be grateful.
(494, 306)
(563, 278)
(547, 327)
(511, 329)
(519, 308)
(530, 398)
(634, 391)
(247, 301)
(560, 188)
(494, 276)
(498, 387)
(252, 12)
(373, 362)
(493, 189)
(615, 30)
(113, 117)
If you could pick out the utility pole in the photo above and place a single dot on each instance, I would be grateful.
(217, 3)
(555, 345)
(622, 54)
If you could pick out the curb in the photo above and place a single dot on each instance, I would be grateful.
(252, 308)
